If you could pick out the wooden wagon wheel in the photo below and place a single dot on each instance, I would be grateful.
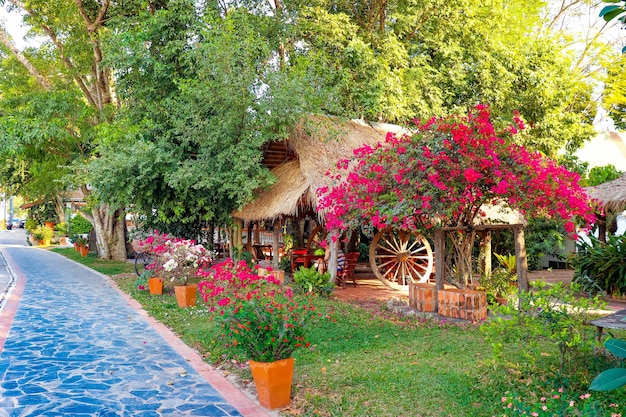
(399, 258)
(317, 235)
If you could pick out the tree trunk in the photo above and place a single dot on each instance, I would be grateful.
(459, 258)
(59, 208)
(110, 230)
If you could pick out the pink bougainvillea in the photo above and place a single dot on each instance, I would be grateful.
(444, 173)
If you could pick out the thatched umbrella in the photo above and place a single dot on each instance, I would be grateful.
(319, 143)
(611, 194)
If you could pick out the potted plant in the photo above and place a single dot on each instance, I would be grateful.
(42, 235)
(81, 245)
(262, 321)
(61, 231)
(179, 260)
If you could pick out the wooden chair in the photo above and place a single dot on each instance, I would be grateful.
(295, 260)
(349, 266)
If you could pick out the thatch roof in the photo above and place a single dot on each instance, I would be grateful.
(319, 143)
(611, 194)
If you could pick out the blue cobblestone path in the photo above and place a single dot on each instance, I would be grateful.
(76, 348)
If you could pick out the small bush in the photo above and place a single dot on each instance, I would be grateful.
(80, 225)
(310, 280)
(604, 263)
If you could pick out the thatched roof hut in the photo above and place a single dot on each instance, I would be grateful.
(313, 148)
(611, 194)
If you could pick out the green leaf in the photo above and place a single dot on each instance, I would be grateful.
(617, 347)
(610, 12)
(609, 380)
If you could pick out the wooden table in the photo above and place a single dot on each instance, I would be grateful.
(616, 321)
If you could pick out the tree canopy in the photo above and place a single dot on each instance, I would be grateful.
(165, 107)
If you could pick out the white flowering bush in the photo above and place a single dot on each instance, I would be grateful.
(181, 259)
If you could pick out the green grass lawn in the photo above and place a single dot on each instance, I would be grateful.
(367, 361)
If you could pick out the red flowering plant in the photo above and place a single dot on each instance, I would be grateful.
(444, 175)
(261, 318)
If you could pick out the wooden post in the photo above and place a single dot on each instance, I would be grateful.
(249, 236)
(522, 263)
(440, 248)
(485, 252)
(334, 254)
(257, 235)
(277, 227)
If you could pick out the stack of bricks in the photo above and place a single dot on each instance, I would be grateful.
(463, 304)
(422, 297)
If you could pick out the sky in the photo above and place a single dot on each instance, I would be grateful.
(12, 21)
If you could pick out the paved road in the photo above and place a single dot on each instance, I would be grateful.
(77, 347)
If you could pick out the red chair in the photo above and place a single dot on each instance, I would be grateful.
(295, 260)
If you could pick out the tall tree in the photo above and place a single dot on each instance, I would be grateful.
(205, 92)
(55, 99)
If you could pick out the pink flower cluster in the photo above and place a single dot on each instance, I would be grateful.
(176, 259)
(444, 173)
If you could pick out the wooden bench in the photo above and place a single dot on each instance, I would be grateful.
(615, 321)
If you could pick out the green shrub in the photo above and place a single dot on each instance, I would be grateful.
(310, 280)
(604, 263)
(30, 225)
(43, 233)
(80, 225)
(61, 228)
(548, 312)
(500, 284)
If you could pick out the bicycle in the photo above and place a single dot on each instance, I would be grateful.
(142, 259)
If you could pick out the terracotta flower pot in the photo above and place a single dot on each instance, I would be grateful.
(155, 285)
(84, 251)
(185, 295)
(273, 382)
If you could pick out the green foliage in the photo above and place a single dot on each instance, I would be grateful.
(239, 254)
(611, 379)
(552, 313)
(604, 263)
(288, 242)
(508, 262)
(500, 284)
(310, 280)
(42, 233)
(285, 263)
(30, 224)
(544, 237)
(79, 240)
(43, 213)
(80, 225)
(61, 228)
(600, 175)
(614, 11)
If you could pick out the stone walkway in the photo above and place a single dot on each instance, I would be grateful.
(73, 345)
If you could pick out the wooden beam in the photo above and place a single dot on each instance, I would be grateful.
(482, 227)
(334, 255)
(440, 248)
(277, 228)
